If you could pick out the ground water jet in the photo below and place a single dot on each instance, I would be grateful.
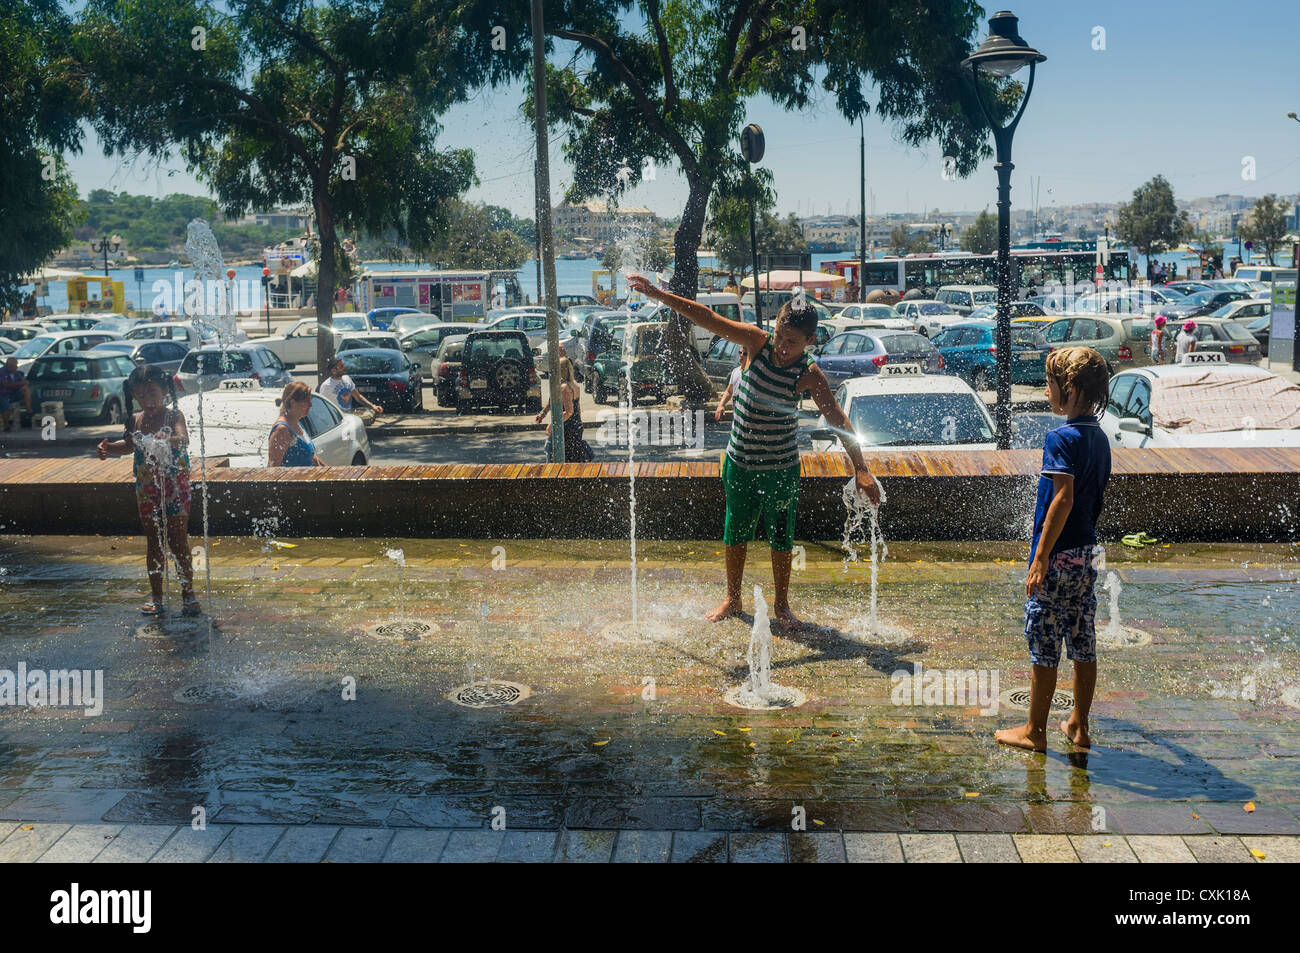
(859, 510)
(758, 691)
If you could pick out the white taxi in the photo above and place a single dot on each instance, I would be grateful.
(239, 414)
(902, 408)
(1203, 401)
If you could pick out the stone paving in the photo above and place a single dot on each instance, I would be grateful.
(624, 748)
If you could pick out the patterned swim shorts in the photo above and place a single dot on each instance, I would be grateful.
(1064, 609)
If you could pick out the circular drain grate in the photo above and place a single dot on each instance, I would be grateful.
(1291, 696)
(204, 694)
(489, 694)
(1018, 698)
(780, 696)
(1129, 637)
(403, 630)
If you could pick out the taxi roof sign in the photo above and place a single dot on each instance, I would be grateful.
(1202, 357)
(239, 383)
(901, 370)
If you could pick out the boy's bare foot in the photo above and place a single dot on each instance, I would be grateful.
(1023, 736)
(786, 621)
(727, 610)
(1077, 734)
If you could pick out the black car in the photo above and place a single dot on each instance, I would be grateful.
(497, 369)
(165, 354)
(1198, 304)
(385, 377)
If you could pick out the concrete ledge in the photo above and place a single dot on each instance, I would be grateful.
(1205, 495)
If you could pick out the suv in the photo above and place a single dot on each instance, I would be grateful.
(497, 368)
(641, 345)
(1125, 341)
(966, 298)
(445, 370)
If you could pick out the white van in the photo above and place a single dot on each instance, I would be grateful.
(1263, 273)
(966, 298)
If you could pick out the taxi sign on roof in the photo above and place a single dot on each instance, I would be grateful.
(901, 370)
(1202, 357)
(240, 383)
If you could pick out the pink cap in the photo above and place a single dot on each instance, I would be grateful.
(1160, 320)
(1189, 326)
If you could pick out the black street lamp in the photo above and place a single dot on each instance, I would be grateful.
(104, 245)
(752, 145)
(942, 232)
(1003, 53)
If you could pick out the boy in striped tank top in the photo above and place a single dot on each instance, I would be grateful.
(760, 472)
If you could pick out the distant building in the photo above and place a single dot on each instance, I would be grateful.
(593, 220)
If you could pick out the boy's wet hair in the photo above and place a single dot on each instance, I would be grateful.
(142, 376)
(1081, 370)
(800, 317)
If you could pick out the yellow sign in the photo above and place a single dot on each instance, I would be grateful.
(105, 295)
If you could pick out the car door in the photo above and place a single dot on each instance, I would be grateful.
(831, 359)
(171, 353)
(324, 423)
(1056, 332)
(1121, 386)
(1138, 404)
(300, 343)
(945, 342)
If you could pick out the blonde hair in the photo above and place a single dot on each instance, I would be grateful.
(1081, 370)
(294, 390)
(566, 372)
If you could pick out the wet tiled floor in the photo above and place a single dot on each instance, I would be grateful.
(246, 717)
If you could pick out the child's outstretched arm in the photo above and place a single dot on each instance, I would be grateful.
(815, 381)
(747, 334)
(180, 433)
(1057, 513)
(114, 448)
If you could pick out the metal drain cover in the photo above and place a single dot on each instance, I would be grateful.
(781, 696)
(1129, 638)
(204, 694)
(1018, 698)
(489, 694)
(402, 630)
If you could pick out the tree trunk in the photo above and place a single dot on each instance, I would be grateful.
(681, 355)
(325, 280)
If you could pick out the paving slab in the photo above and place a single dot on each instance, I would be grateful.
(1276, 850)
(988, 848)
(643, 847)
(81, 844)
(472, 847)
(303, 845)
(861, 848)
(135, 844)
(1160, 849)
(699, 847)
(1219, 850)
(586, 847)
(813, 847)
(930, 848)
(416, 847)
(28, 841)
(363, 845)
(1045, 848)
(1102, 849)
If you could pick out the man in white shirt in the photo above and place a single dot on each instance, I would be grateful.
(339, 388)
(733, 384)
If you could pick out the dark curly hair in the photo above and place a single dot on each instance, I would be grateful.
(142, 376)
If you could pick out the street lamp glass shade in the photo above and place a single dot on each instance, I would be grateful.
(1005, 51)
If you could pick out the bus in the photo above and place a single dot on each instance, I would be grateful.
(1029, 269)
(454, 295)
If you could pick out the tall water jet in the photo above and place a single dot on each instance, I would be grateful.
(398, 558)
(1114, 628)
(758, 691)
(860, 510)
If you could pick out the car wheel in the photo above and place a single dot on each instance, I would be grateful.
(597, 391)
(980, 379)
(358, 459)
(112, 412)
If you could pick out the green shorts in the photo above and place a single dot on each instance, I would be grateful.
(774, 493)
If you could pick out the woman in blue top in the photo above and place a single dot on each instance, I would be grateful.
(289, 445)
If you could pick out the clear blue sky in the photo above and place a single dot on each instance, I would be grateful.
(1185, 89)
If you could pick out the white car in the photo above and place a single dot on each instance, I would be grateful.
(59, 342)
(1204, 401)
(20, 331)
(876, 315)
(298, 344)
(182, 331)
(237, 421)
(928, 317)
(902, 408)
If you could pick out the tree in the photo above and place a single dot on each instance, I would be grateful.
(982, 237)
(39, 120)
(284, 102)
(1267, 225)
(1152, 223)
(673, 88)
(471, 241)
(898, 240)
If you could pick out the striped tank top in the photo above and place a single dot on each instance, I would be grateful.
(767, 413)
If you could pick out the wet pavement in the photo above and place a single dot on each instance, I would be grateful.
(294, 717)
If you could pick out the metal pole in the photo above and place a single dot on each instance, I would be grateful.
(1002, 337)
(547, 240)
(537, 232)
(862, 230)
(753, 246)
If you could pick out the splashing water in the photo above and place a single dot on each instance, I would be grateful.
(861, 510)
(1114, 628)
(399, 560)
(760, 649)
(632, 428)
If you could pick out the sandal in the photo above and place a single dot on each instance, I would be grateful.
(151, 608)
(191, 606)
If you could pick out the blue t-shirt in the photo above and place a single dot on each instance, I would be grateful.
(1077, 447)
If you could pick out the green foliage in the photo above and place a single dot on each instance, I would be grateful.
(471, 240)
(903, 242)
(39, 119)
(1267, 225)
(1151, 223)
(982, 237)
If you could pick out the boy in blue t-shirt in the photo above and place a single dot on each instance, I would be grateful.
(1062, 604)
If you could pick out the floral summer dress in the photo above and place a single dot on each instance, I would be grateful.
(165, 485)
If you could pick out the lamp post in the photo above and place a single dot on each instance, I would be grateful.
(752, 145)
(942, 232)
(1003, 53)
(266, 297)
(862, 214)
(1295, 309)
(104, 246)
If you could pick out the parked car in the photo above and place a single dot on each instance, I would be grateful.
(237, 424)
(414, 320)
(1244, 311)
(969, 352)
(386, 376)
(1136, 301)
(596, 331)
(1260, 329)
(71, 322)
(165, 354)
(1186, 288)
(20, 331)
(497, 370)
(87, 383)
(1159, 407)
(114, 322)
(571, 346)
(496, 314)
(574, 315)
(1232, 340)
(445, 370)
(359, 340)
(422, 344)
(205, 368)
(1121, 341)
(531, 323)
(167, 331)
(1018, 309)
(882, 313)
(297, 345)
(863, 353)
(1263, 273)
(564, 302)
(1200, 303)
(720, 361)
(910, 412)
(641, 346)
(346, 321)
(966, 298)
(7, 347)
(381, 319)
(59, 342)
(928, 317)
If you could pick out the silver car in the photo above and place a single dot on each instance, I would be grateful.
(205, 368)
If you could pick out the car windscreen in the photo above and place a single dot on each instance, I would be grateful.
(896, 343)
(359, 363)
(349, 323)
(217, 362)
(496, 346)
(934, 307)
(64, 369)
(412, 322)
(1028, 337)
(119, 347)
(34, 347)
(984, 297)
(885, 420)
(1236, 332)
